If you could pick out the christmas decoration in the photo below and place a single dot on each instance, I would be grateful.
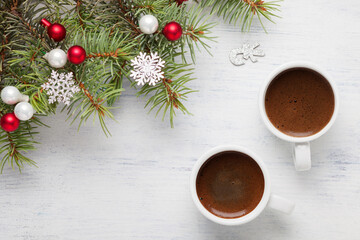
(172, 31)
(147, 69)
(11, 95)
(57, 58)
(239, 55)
(181, 1)
(76, 54)
(9, 122)
(60, 87)
(148, 24)
(24, 111)
(55, 31)
(110, 48)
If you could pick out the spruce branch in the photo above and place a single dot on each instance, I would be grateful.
(109, 32)
(21, 40)
(13, 146)
(168, 95)
(98, 77)
(243, 11)
(126, 16)
(27, 25)
(196, 30)
(78, 10)
(4, 41)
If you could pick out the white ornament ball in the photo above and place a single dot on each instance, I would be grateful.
(24, 111)
(148, 24)
(57, 58)
(11, 95)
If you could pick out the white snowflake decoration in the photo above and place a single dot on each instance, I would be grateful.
(147, 69)
(60, 87)
(239, 55)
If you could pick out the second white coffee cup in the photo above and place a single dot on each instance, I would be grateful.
(301, 145)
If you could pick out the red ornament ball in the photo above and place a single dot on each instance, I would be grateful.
(76, 54)
(179, 2)
(172, 31)
(9, 122)
(55, 31)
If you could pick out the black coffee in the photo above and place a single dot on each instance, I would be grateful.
(299, 102)
(230, 184)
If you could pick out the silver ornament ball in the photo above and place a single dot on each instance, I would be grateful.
(11, 95)
(24, 111)
(57, 58)
(148, 24)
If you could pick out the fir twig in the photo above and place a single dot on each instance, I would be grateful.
(109, 32)
(243, 11)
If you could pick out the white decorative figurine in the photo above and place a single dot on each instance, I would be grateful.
(57, 58)
(148, 24)
(239, 55)
(11, 95)
(24, 111)
(147, 69)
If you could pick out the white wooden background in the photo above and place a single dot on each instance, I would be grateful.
(135, 185)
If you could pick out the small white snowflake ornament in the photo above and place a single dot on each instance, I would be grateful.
(147, 69)
(239, 55)
(60, 87)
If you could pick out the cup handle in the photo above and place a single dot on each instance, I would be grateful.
(281, 204)
(302, 156)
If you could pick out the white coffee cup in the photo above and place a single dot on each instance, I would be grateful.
(268, 199)
(301, 145)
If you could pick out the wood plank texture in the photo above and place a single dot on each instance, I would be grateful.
(134, 185)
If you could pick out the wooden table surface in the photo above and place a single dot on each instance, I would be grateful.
(135, 185)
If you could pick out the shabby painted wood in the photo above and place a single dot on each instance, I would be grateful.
(134, 185)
